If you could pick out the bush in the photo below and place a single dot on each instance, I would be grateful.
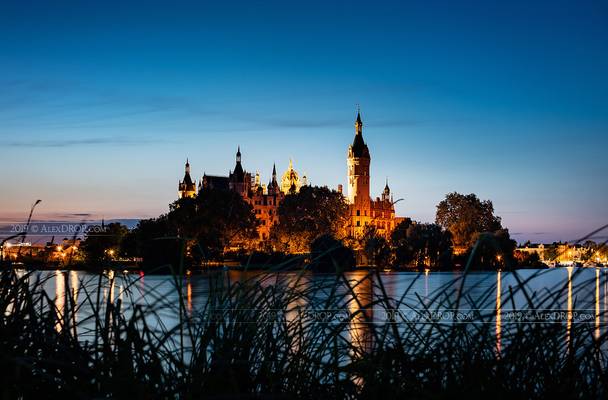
(330, 255)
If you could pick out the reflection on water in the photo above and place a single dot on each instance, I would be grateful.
(569, 323)
(59, 298)
(498, 313)
(189, 295)
(574, 289)
(74, 286)
(361, 310)
(597, 304)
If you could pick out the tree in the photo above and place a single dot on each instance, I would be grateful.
(306, 215)
(376, 248)
(329, 254)
(550, 252)
(493, 250)
(465, 216)
(103, 244)
(528, 260)
(214, 221)
(158, 244)
(421, 245)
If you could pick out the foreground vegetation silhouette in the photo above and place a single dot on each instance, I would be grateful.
(260, 337)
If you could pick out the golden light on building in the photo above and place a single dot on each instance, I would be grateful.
(378, 213)
(365, 211)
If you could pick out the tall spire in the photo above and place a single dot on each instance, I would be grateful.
(239, 173)
(359, 147)
(386, 193)
(273, 185)
(187, 166)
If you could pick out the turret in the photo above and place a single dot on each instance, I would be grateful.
(186, 187)
(273, 185)
(386, 193)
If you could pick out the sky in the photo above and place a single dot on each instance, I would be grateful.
(101, 103)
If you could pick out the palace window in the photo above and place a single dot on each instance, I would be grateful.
(358, 213)
(358, 223)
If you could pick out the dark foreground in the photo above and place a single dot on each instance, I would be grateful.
(264, 337)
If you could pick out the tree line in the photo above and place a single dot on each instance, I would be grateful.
(313, 224)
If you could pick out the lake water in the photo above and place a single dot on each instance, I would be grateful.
(565, 296)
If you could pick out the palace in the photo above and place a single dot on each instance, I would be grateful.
(265, 199)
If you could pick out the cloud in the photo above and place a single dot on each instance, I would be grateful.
(57, 143)
(295, 123)
(50, 104)
(300, 123)
(75, 215)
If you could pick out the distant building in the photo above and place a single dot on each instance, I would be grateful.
(563, 253)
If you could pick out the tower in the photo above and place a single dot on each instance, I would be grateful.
(186, 187)
(239, 180)
(386, 193)
(290, 181)
(358, 163)
(273, 185)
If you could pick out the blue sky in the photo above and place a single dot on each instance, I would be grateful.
(101, 102)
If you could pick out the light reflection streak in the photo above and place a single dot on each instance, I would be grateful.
(569, 321)
(498, 315)
(59, 299)
(361, 312)
(189, 295)
(597, 303)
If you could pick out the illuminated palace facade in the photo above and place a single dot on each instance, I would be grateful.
(265, 199)
(365, 211)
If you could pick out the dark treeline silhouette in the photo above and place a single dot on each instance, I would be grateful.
(218, 226)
